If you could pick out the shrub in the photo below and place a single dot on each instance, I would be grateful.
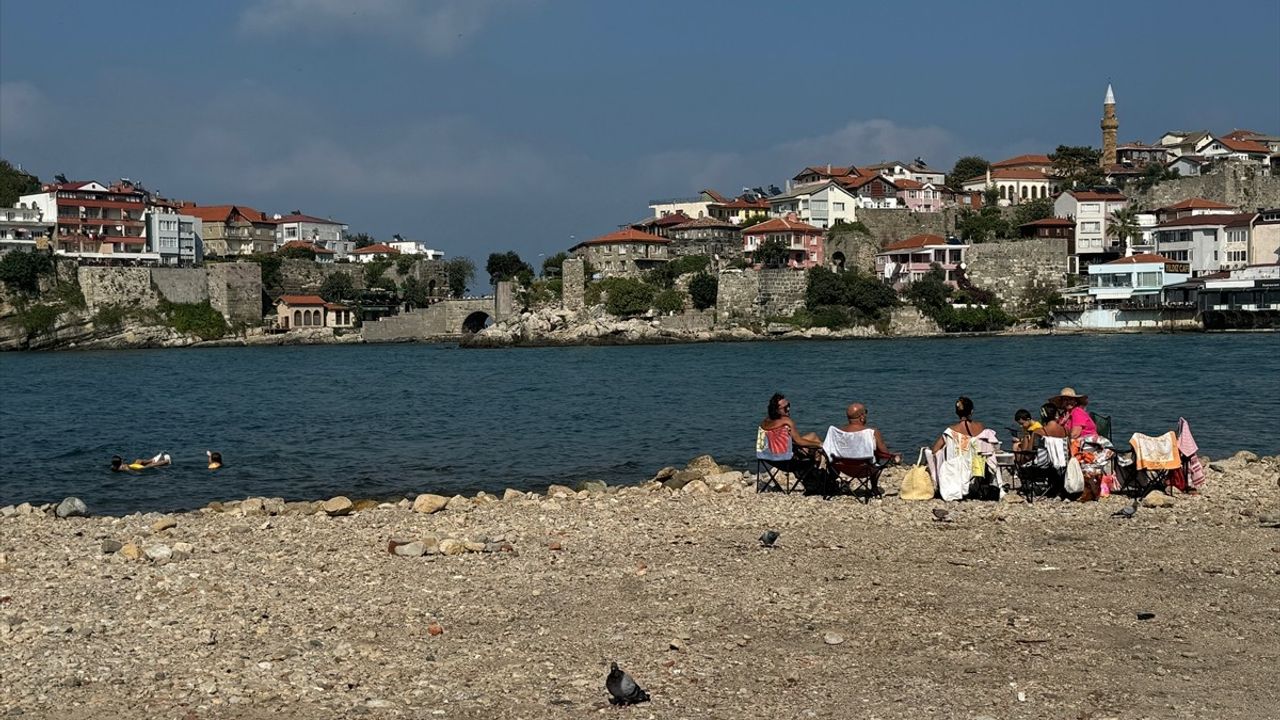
(703, 289)
(666, 275)
(338, 287)
(38, 318)
(70, 294)
(199, 319)
(373, 271)
(110, 316)
(404, 263)
(669, 301)
(863, 296)
(297, 253)
(829, 316)
(856, 226)
(21, 271)
(627, 296)
(973, 319)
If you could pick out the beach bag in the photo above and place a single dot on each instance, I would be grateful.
(916, 484)
(979, 467)
(1195, 472)
(1074, 481)
(953, 477)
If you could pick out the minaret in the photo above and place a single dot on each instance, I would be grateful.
(1109, 127)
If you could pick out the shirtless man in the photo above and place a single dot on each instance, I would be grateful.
(856, 414)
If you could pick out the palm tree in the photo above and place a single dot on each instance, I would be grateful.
(1123, 225)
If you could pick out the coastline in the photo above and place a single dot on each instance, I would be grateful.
(512, 607)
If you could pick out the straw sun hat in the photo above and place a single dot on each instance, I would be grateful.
(1069, 393)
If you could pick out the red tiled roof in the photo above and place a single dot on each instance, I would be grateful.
(1091, 195)
(783, 225)
(1049, 222)
(908, 184)
(829, 171)
(625, 235)
(1214, 219)
(1009, 173)
(376, 249)
(915, 241)
(1140, 258)
(336, 306)
(853, 183)
(223, 213)
(1023, 160)
(1197, 203)
(715, 195)
(740, 204)
(675, 218)
(306, 246)
(301, 300)
(1244, 146)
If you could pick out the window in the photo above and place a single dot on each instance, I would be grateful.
(291, 232)
(1090, 227)
(838, 207)
(1149, 279)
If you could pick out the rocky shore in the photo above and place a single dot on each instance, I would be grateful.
(513, 606)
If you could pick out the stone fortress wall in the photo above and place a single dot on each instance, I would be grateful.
(233, 289)
(1009, 268)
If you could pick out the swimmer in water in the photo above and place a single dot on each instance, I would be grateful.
(215, 459)
(160, 460)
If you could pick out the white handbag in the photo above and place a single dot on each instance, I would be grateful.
(1074, 480)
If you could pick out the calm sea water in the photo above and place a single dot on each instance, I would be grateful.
(389, 420)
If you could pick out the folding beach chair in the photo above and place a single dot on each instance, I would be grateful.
(1041, 471)
(852, 462)
(777, 458)
(1103, 423)
(1154, 458)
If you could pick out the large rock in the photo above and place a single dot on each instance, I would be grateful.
(131, 551)
(340, 505)
(459, 503)
(1157, 499)
(696, 487)
(511, 495)
(182, 550)
(560, 491)
(71, 507)
(158, 553)
(682, 478)
(706, 464)
(165, 523)
(412, 549)
(592, 486)
(429, 503)
(450, 546)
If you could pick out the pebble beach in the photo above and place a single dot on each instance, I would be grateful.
(513, 605)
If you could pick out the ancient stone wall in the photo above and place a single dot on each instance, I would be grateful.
(1236, 184)
(181, 285)
(781, 291)
(1010, 269)
(856, 249)
(128, 286)
(235, 290)
(738, 295)
(573, 284)
(304, 277)
(689, 320)
(908, 321)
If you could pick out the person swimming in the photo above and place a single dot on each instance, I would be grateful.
(160, 460)
(215, 459)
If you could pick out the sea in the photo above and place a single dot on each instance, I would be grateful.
(389, 421)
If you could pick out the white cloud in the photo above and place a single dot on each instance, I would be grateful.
(438, 27)
(866, 142)
(23, 109)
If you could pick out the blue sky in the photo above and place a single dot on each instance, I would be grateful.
(486, 125)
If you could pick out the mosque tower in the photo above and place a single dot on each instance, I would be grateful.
(1109, 127)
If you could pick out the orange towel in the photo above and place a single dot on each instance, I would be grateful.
(1156, 453)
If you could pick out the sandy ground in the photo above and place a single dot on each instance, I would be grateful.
(861, 611)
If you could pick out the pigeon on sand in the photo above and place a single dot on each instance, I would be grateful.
(769, 538)
(622, 688)
(1127, 511)
(940, 515)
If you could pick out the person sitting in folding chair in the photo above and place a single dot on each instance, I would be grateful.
(780, 449)
(858, 454)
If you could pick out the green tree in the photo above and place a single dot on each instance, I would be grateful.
(703, 289)
(374, 269)
(337, 287)
(360, 239)
(21, 271)
(1032, 210)
(15, 183)
(771, 253)
(554, 265)
(1078, 166)
(297, 253)
(1123, 225)
(966, 168)
(459, 272)
(753, 219)
(627, 296)
(930, 294)
(665, 275)
(669, 301)
(841, 298)
(507, 266)
(416, 292)
(985, 224)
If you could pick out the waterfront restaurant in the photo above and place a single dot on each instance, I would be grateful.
(1137, 280)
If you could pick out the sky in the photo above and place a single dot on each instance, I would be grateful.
(482, 126)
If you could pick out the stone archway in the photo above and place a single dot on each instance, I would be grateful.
(837, 261)
(476, 321)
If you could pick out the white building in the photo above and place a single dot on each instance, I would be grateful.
(1014, 184)
(1208, 243)
(175, 238)
(821, 204)
(693, 207)
(23, 227)
(321, 232)
(1137, 279)
(1241, 150)
(414, 247)
(1091, 212)
(376, 251)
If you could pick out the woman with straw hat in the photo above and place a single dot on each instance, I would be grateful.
(1074, 418)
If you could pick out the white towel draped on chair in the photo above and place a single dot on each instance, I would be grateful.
(859, 445)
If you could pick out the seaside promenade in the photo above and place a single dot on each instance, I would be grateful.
(513, 607)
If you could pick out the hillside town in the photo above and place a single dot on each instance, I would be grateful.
(1125, 262)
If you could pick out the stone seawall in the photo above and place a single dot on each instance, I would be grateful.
(233, 289)
(1016, 268)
